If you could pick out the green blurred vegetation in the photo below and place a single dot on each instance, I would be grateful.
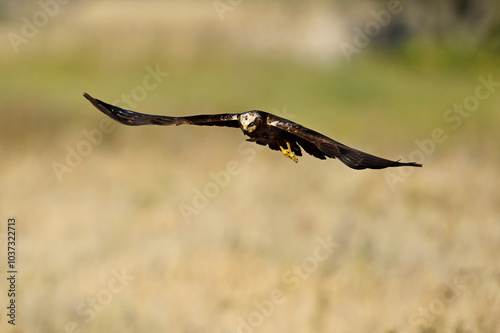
(407, 84)
(409, 97)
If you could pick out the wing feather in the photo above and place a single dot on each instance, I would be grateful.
(133, 118)
(319, 145)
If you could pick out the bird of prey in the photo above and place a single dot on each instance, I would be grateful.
(264, 129)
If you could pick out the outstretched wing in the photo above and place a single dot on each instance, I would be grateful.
(133, 118)
(320, 146)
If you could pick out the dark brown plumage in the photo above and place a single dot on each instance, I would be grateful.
(264, 129)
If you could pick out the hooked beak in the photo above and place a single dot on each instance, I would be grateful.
(244, 129)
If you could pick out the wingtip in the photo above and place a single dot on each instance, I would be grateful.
(87, 96)
(94, 101)
(413, 164)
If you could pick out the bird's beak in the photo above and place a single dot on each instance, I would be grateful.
(244, 129)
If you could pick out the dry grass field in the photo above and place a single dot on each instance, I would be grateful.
(189, 229)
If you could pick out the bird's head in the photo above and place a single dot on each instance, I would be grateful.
(249, 121)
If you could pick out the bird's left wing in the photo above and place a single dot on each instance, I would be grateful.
(320, 145)
(133, 118)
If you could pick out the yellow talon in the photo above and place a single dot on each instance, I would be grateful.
(289, 153)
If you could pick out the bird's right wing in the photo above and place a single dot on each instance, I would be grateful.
(133, 118)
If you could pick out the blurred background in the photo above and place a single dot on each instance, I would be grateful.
(188, 229)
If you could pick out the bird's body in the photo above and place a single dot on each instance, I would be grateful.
(264, 129)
